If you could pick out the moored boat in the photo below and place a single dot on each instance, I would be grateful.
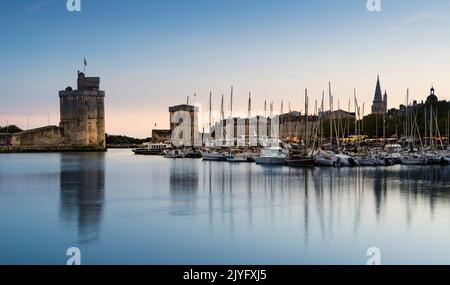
(151, 149)
(327, 159)
(271, 156)
(174, 153)
(213, 156)
(193, 154)
(371, 160)
(393, 153)
(413, 159)
(238, 156)
(300, 161)
(347, 160)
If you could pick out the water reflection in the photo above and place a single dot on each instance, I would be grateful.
(183, 182)
(324, 199)
(82, 193)
(244, 213)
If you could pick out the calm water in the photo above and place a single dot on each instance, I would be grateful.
(124, 209)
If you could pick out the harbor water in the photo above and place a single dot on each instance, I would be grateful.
(118, 208)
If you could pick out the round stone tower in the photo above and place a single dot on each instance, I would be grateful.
(83, 114)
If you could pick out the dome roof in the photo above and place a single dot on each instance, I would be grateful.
(432, 98)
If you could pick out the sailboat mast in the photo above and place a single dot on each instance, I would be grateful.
(231, 103)
(306, 119)
(222, 113)
(339, 119)
(311, 129)
(384, 129)
(448, 129)
(331, 120)
(431, 126)
(322, 109)
(348, 119)
(425, 131)
(249, 114)
(265, 108)
(407, 117)
(362, 118)
(210, 110)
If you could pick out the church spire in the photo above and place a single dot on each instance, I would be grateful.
(379, 103)
(378, 95)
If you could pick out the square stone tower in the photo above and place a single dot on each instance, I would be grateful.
(83, 114)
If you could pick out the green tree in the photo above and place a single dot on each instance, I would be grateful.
(11, 129)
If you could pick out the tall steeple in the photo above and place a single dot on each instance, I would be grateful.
(379, 105)
(378, 95)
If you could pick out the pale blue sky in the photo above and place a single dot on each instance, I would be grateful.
(153, 53)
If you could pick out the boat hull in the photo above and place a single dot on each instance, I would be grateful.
(413, 161)
(301, 162)
(213, 157)
(237, 159)
(270, 160)
(325, 162)
(146, 152)
(194, 155)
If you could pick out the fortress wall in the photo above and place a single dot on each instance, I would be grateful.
(46, 136)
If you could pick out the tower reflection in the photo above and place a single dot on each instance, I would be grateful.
(82, 192)
(184, 184)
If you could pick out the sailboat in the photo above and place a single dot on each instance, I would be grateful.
(271, 155)
(238, 156)
(213, 156)
(328, 158)
(302, 160)
(413, 159)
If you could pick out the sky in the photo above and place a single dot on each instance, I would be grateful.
(151, 54)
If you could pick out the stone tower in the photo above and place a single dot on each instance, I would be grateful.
(83, 114)
(379, 105)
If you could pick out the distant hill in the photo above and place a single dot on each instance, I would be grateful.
(124, 140)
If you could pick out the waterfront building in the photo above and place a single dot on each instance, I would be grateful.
(338, 114)
(241, 132)
(262, 130)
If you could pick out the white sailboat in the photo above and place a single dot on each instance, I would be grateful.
(272, 155)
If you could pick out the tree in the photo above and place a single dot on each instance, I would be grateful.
(11, 129)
